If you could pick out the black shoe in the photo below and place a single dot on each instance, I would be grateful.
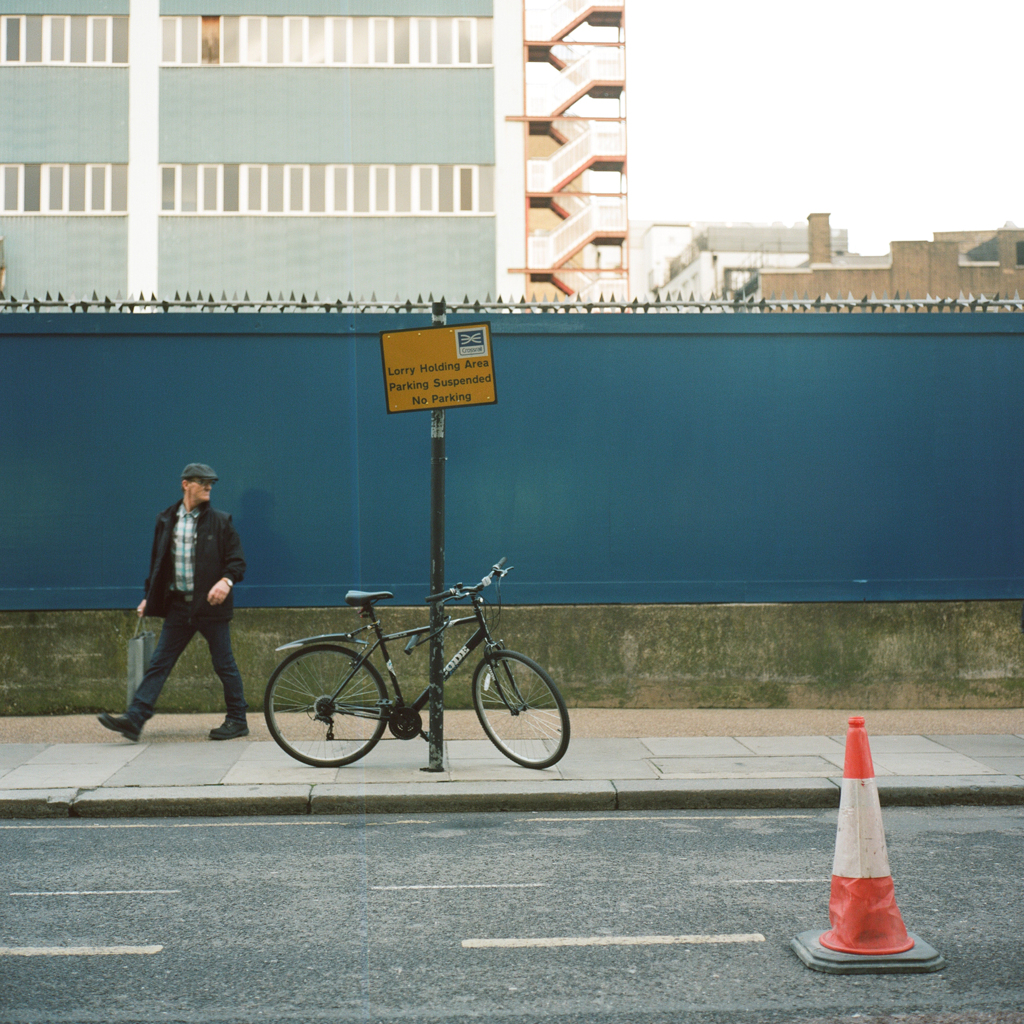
(229, 730)
(124, 725)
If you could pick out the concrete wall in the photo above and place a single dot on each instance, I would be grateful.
(62, 115)
(308, 255)
(84, 254)
(830, 655)
(326, 115)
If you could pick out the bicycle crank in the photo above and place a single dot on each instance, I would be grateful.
(405, 723)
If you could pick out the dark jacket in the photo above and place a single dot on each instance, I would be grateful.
(218, 555)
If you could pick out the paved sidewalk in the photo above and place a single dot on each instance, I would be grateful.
(617, 760)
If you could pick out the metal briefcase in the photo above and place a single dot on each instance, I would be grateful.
(140, 654)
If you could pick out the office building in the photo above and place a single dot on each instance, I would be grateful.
(371, 147)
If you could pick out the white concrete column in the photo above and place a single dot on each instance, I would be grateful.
(143, 146)
(509, 148)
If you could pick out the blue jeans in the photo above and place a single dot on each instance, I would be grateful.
(177, 632)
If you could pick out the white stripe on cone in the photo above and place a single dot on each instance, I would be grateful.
(860, 838)
(862, 905)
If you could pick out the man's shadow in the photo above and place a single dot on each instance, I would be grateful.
(269, 561)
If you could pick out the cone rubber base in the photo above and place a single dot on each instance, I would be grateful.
(919, 959)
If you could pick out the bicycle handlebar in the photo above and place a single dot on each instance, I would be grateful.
(458, 592)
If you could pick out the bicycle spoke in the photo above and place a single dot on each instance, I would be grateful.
(521, 710)
(309, 722)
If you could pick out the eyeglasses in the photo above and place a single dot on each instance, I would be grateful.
(201, 482)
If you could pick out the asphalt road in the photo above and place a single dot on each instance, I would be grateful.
(408, 919)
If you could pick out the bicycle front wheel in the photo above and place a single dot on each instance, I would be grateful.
(317, 716)
(521, 710)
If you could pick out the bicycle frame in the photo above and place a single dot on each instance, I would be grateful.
(421, 634)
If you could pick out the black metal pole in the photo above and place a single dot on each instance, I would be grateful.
(437, 460)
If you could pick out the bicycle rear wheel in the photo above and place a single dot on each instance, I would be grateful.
(311, 726)
(521, 710)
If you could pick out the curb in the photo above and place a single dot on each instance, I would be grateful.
(189, 801)
(347, 798)
(938, 790)
(725, 794)
(441, 797)
(37, 803)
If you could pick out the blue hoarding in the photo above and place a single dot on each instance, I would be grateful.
(630, 458)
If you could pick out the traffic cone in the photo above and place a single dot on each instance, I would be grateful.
(867, 934)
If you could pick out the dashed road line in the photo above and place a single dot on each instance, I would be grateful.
(100, 892)
(79, 950)
(490, 885)
(327, 823)
(769, 881)
(611, 940)
(193, 824)
(677, 817)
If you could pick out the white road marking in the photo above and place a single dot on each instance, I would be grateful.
(196, 824)
(677, 817)
(79, 950)
(611, 940)
(494, 885)
(230, 824)
(347, 823)
(100, 892)
(769, 881)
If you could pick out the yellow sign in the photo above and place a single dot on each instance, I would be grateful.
(438, 367)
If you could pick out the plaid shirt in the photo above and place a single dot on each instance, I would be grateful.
(185, 549)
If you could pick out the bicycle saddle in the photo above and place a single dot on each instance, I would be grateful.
(363, 599)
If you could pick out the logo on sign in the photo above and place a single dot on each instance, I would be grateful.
(470, 342)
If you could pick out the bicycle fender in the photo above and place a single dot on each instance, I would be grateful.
(322, 639)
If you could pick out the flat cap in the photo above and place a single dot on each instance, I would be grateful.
(198, 470)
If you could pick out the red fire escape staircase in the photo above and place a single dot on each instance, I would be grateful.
(595, 70)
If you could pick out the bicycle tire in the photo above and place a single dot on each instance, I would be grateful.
(520, 709)
(316, 672)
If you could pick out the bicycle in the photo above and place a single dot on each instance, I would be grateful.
(327, 705)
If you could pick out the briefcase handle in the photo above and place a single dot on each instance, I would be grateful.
(138, 628)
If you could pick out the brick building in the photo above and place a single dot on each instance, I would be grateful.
(973, 262)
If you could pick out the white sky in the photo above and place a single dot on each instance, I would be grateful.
(899, 118)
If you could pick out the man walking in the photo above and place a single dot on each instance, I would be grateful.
(196, 561)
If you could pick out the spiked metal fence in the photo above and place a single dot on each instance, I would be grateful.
(660, 304)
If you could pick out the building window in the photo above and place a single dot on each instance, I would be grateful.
(466, 189)
(252, 180)
(316, 41)
(11, 187)
(360, 189)
(211, 181)
(426, 180)
(64, 188)
(381, 178)
(211, 40)
(11, 47)
(189, 195)
(327, 189)
(230, 188)
(167, 195)
(191, 32)
(1020, 254)
(63, 39)
(380, 45)
(296, 189)
(318, 189)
